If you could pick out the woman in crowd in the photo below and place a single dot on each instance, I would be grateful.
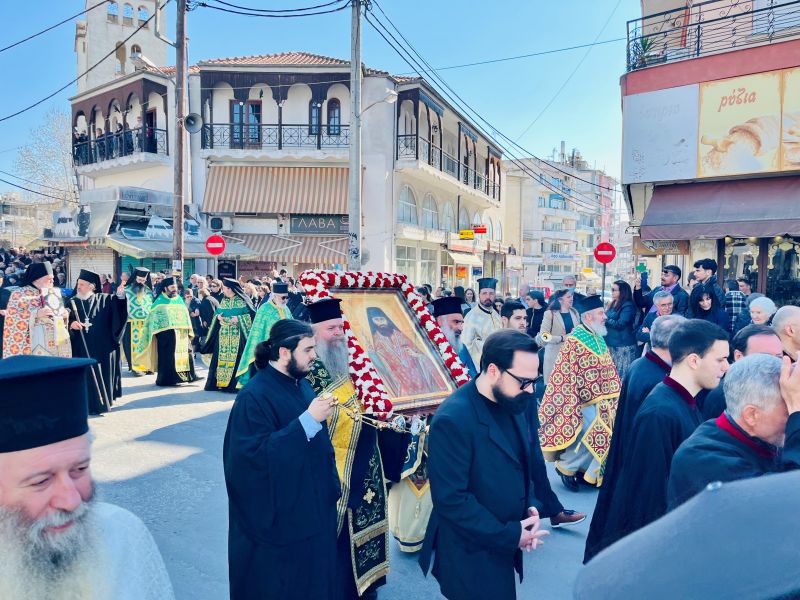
(704, 304)
(762, 310)
(621, 338)
(535, 311)
(469, 297)
(498, 303)
(558, 322)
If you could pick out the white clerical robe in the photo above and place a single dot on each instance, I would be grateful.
(479, 324)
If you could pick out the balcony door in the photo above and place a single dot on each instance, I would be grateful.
(245, 124)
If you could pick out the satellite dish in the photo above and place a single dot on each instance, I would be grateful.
(193, 123)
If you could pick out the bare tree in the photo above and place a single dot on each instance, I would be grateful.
(46, 159)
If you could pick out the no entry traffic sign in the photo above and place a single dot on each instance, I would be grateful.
(215, 244)
(604, 252)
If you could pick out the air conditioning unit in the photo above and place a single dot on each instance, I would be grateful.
(220, 223)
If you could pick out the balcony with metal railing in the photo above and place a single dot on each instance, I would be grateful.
(141, 144)
(709, 28)
(233, 136)
(411, 147)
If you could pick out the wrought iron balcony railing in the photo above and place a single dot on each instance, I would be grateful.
(116, 145)
(408, 146)
(709, 28)
(234, 136)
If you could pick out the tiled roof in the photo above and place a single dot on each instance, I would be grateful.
(171, 70)
(280, 59)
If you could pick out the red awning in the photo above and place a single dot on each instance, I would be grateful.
(742, 208)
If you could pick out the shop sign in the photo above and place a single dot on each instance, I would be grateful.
(319, 224)
(466, 234)
(562, 256)
(461, 272)
(226, 268)
(479, 229)
(660, 247)
(477, 271)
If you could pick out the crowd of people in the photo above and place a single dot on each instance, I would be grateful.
(649, 398)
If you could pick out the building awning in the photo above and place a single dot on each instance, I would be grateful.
(742, 208)
(284, 190)
(311, 249)
(463, 258)
(149, 248)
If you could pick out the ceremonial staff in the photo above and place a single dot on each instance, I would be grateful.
(97, 385)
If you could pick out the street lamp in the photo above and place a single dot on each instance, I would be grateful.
(354, 181)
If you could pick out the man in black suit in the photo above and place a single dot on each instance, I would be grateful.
(483, 501)
(670, 282)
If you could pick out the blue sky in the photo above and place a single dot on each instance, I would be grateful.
(446, 32)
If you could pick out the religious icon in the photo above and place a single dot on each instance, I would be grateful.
(401, 352)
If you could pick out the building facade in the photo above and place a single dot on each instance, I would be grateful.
(711, 152)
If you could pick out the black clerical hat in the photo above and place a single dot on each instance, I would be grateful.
(450, 305)
(168, 281)
(36, 271)
(141, 272)
(590, 303)
(487, 283)
(280, 288)
(233, 284)
(91, 277)
(44, 400)
(325, 310)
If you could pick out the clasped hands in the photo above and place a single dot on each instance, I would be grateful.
(322, 407)
(531, 536)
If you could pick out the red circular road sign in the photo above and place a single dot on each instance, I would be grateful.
(215, 244)
(605, 252)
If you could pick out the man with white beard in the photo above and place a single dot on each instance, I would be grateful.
(364, 458)
(56, 542)
(450, 319)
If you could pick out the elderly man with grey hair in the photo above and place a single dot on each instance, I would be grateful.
(664, 303)
(786, 324)
(642, 376)
(569, 282)
(759, 433)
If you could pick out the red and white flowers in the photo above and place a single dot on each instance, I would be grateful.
(368, 382)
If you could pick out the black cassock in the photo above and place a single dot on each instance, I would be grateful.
(481, 489)
(717, 453)
(167, 372)
(282, 493)
(108, 315)
(644, 374)
(667, 417)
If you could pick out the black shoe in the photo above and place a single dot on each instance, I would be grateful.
(570, 482)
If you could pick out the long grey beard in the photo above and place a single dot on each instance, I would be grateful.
(35, 564)
(84, 296)
(452, 337)
(598, 329)
(334, 357)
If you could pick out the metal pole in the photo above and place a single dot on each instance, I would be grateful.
(180, 138)
(603, 289)
(354, 181)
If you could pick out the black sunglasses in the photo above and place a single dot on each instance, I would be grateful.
(522, 381)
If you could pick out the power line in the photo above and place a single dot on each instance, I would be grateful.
(249, 13)
(461, 102)
(280, 10)
(572, 74)
(95, 65)
(433, 73)
(35, 183)
(43, 31)
(30, 190)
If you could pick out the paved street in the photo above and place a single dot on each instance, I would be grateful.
(159, 454)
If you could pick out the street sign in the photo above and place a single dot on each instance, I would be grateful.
(215, 244)
(466, 234)
(604, 252)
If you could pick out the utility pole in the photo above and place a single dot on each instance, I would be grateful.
(354, 181)
(180, 137)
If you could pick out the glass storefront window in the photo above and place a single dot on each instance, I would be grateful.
(428, 267)
(783, 270)
(407, 262)
(741, 260)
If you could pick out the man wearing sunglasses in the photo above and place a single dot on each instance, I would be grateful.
(577, 412)
(670, 282)
(484, 511)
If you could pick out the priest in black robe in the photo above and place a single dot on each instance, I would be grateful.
(669, 415)
(644, 374)
(281, 476)
(758, 434)
(96, 324)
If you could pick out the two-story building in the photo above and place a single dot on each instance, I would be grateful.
(711, 137)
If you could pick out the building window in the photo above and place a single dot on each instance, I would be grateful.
(136, 51)
(489, 229)
(127, 14)
(143, 16)
(314, 117)
(407, 211)
(430, 212)
(407, 261)
(542, 202)
(498, 232)
(245, 124)
(112, 12)
(783, 270)
(428, 266)
(448, 218)
(334, 117)
(477, 219)
(463, 218)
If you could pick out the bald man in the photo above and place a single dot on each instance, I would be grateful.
(786, 324)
